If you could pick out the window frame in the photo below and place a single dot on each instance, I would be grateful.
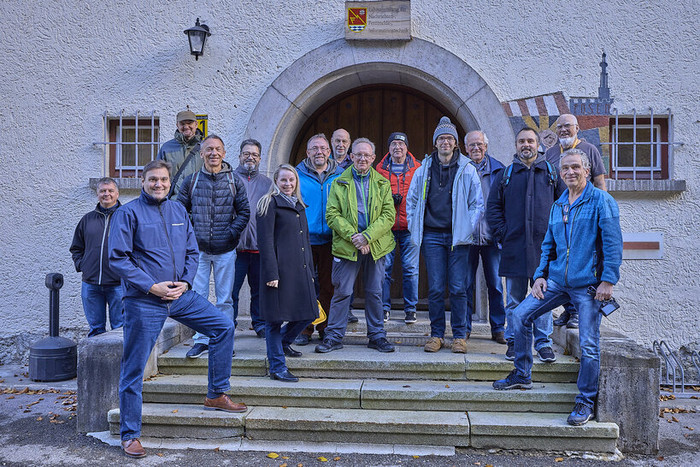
(661, 143)
(114, 127)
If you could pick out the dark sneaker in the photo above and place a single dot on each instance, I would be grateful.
(510, 352)
(563, 319)
(513, 381)
(410, 317)
(381, 344)
(328, 345)
(499, 337)
(573, 322)
(197, 350)
(260, 333)
(386, 315)
(546, 354)
(580, 415)
(352, 318)
(302, 339)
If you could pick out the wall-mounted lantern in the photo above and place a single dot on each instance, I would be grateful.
(197, 37)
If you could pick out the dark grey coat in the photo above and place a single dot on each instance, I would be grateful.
(285, 255)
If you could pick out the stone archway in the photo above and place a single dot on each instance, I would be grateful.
(339, 66)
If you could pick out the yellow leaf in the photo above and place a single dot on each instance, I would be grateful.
(447, 385)
(175, 411)
(322, 459)
(559, 459)
(273, 455)
(283, 465)
(38, 419)
(285, 457)
(338, 458)
(416, 457)
(159, 454)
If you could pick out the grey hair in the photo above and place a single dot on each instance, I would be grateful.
(363, 140)
(107, 181)
(483, 134)
(317, 136)
(585, 161)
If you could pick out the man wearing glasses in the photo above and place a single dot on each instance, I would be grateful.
(443, 208)
(582, 250)
(361, 214)
(316, 174)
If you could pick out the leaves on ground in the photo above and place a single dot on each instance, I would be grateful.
(272, 455)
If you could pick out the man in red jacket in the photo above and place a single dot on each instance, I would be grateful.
(398, 166)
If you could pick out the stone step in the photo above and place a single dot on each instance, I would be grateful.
(460, 429)
(367, 394)
(484, 361)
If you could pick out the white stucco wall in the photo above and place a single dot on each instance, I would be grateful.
(65, 63)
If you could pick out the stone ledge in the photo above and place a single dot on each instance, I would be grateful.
(645, 186)
(124, 183)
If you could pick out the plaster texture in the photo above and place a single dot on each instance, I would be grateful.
(69, 62)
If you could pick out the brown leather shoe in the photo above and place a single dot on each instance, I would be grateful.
(499, 337)
(434, 344)
(133, 448)
(223, 402)
(459, 346)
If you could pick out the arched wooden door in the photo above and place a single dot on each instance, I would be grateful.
(375, 112)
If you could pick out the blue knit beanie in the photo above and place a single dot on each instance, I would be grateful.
(445, 127)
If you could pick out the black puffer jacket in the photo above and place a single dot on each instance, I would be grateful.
(218, 217)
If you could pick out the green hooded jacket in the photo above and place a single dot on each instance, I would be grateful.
(341, 216)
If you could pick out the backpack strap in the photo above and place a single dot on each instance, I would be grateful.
(552, 173)
(185, 163)
(506, 176)
(231, 184)
(193, 182)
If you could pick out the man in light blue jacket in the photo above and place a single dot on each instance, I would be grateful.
(580, 262)
(443, 207)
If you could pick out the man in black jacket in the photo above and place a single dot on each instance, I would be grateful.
(101, 286)
(218, 205)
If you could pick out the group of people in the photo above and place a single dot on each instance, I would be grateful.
(302, 238)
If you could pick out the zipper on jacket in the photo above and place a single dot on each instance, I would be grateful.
(167, 236)
(102, 245)
(568, 244)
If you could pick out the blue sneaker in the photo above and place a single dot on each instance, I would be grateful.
(513, 381)
(580, 415)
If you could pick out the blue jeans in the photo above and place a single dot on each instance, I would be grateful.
(223, 266)
(409, 267)
(248, 263)
(143, 321)
(542, 327)
(490, 258)
(95, 301)
(277, 336)
(343, 276)
(588, 333)
(446, 265)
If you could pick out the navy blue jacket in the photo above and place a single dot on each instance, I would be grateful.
(89, 247)
(152, 242)
(518, 215)
(218, 217)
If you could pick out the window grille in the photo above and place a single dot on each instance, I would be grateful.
(130, 142)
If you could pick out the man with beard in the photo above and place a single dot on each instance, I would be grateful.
(316, 174)
(247, 254)
(182, 152)
(517, 211)
(218, 205)
(443, 208)
(567, 131)
(340, 143)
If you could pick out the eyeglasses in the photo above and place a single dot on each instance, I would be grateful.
(443, 139)
(254, 155)
(319, 149)
(362, 156)
(475, 145)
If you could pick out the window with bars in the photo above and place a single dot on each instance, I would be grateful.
(131, 141)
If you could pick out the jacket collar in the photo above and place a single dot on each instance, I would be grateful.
(250, 174)
(225, 167)
(408, 164)
(585, 196)
(148, 199)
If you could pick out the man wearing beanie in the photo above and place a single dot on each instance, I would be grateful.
(398, 166)
(183, 150)
(443, 209)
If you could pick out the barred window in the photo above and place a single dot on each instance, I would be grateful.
(131, 142)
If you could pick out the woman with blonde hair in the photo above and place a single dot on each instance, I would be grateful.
(287, 293)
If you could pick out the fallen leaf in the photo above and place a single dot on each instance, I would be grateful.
(559, 459)
(336, 458)
(283, 465)
(39, 418)
(217, 449)
(175, 410)
(11, 397)
(415, 457)
(285, 457)
(273, 455)
(447, 385)
(674, 419)
(159, 454)
(660, 458)
(690, 428)
(322, 459)
(284, 406)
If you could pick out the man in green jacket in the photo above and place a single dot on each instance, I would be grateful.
(360, 212)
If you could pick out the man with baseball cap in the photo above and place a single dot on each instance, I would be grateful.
(444, 206)
(398, 166)
(183, 150)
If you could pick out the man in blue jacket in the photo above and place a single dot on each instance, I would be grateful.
(217, 202)
(152, 248)
(580, 262)
(316, 175)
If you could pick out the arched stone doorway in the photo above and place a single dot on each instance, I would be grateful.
(339, 67)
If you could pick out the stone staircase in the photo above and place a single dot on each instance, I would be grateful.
(360, 396)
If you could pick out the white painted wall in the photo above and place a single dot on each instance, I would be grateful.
(64, 63)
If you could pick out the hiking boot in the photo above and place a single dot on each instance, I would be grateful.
(513, 381)
(197, 350)
(499, 337)
(459, 346)
(580, 415)
(386, 315)
(563, 319)
(328, 345)
(434, 344)
(410, 317)
(546, 354)
(381, 344)
(510, 351)
(573, 322)
(302, 339)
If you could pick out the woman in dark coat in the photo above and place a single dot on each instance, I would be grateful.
(287, 290)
